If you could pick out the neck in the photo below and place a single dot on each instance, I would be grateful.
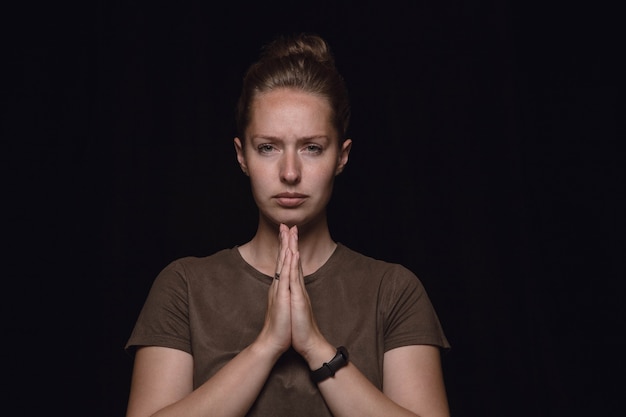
(314, 244)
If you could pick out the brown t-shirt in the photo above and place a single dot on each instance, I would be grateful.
(213, 307)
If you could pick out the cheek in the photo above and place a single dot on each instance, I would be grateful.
(257, 179)
(256, 182)
(324, 175)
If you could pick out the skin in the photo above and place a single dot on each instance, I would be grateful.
(291, 154)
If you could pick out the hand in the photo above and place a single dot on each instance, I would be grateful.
(305, 334)
(276, 331)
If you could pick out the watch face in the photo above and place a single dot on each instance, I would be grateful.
(344, 352)
(340, 359)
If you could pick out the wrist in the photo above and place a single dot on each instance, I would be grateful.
(266, 350)
(319, 354)
(328, 369)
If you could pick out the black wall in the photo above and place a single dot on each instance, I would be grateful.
(485, 159)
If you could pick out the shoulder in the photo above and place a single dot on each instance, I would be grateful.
(389, 274)
(190, 264)
(190, 268)
(352, 259)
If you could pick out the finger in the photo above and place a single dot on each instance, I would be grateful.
(282, 249)
(294, 269)
(300, 270)
(283, 284)
(293, 239)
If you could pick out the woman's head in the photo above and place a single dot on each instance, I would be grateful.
(301, 62)
(292, 120)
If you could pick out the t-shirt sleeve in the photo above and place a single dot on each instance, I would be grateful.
(410, 318)
(164, 317)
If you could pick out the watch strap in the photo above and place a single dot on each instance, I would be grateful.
(328, 369)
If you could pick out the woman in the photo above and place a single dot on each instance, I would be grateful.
(290, 323)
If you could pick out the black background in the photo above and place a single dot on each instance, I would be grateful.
(485, 159)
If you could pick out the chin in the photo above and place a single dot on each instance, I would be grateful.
(294, 217)
(305, 223)
(288, 221)
(291, 222)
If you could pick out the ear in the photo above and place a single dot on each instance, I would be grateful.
(241, 158)
(343, 156)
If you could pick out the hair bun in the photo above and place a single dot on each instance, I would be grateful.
(303, 62)
(298, 45)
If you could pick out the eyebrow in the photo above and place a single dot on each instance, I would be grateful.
(279, 139)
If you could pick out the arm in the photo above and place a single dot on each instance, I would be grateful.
(163, 379)
(412, 381)
(412, 375)
(162, 382)
(413, 378)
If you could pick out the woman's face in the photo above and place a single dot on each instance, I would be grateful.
(291, 154)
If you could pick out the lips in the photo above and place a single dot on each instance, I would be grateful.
(290, 200)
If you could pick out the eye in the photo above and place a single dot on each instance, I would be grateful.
(265, 148)
(313, 149)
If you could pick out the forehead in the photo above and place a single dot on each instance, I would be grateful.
(287, 112)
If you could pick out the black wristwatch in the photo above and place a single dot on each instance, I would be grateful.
(329, 368)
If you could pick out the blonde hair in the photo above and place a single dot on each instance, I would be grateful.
(303, 62)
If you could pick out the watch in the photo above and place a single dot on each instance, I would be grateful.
(329, 368)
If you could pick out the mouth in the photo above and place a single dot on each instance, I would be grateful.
(289, 200)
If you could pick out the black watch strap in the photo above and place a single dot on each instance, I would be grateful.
(329, 368)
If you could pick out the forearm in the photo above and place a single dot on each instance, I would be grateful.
(232, 390)
(350, 393)
(413, 381)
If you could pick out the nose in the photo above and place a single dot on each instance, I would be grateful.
(290, 169)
